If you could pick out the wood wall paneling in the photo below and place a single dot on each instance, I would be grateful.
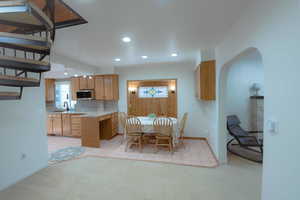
(160, 106)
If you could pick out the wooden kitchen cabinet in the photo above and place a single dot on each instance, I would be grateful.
(76, 125)
(54, 124)
(49, 125)
(66, 125)
(107, 87)
(86, 83)
(50, 90)
(99, 88)
(74, 87)
(57, 124)
(206, 81)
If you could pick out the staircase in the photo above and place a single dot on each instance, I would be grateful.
(25, 46)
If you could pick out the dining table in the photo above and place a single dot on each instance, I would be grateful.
(147, 127)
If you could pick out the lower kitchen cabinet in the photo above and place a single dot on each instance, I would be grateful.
(66, 125)
(76, 125)
(54, 124)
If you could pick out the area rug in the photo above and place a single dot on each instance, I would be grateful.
(196, 153)
(65, 154)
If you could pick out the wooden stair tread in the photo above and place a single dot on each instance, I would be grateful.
(24, 64)
(30, 43)
(15, 78)
(9, 94)
(13, 81)
(25, 37)
(24, 13)
(30, 61)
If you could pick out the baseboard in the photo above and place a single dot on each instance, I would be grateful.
(214, 155)
(194, 138)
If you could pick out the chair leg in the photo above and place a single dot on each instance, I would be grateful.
(127, 144)
(140, 143)
(123, 138)
(170, 145)
(156, 145)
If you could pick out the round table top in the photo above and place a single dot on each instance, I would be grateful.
(149, 120)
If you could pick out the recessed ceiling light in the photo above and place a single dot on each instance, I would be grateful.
(174, 54)
(126, 39)
(66, 73)
(117, 59)
(144, 57)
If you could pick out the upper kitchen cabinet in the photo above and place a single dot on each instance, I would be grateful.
(74, 87)
(50, 90)
(107, 87)
(86, 83)
(99, 88)
(206, 81)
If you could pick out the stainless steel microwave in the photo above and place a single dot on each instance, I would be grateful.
(85, 95)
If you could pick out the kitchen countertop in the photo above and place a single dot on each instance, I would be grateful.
(85, 114)
(97, 114)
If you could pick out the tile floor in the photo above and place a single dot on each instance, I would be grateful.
(196, 152)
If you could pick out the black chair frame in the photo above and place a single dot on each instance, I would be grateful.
(240, 136)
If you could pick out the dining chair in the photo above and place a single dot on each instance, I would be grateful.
(134, 134)
(163, 127)
(181, 130)
(122, 120)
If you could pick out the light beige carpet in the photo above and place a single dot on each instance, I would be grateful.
(114, 179)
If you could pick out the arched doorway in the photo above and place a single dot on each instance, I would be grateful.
(236, 79)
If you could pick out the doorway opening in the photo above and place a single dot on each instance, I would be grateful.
(242, 99)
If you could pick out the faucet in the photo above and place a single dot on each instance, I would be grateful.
(66, 105)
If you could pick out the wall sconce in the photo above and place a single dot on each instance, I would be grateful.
(132, 90)
(173, 89)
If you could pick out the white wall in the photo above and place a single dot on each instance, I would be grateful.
(61, 64)
(241, 74)
(199, 122)
(22, 131)
(273, 27)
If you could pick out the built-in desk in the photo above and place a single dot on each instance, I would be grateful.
(94, 129)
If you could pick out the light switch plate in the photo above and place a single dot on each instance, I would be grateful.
(273, 126)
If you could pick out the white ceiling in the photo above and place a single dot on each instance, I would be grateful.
(157, 28)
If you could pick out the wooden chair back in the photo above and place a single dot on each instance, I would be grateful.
(163, 126)
(182, 125)
(133, 125)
